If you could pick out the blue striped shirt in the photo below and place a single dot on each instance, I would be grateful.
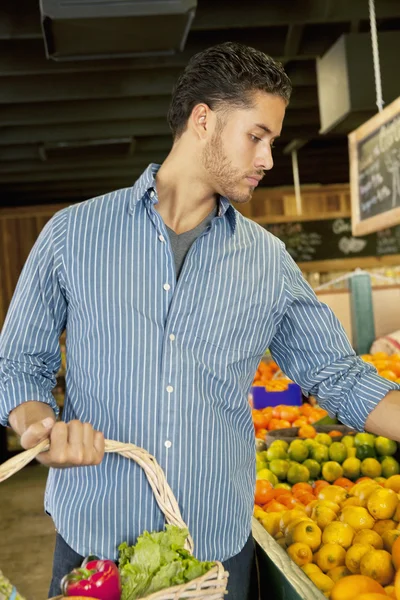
(167, 364)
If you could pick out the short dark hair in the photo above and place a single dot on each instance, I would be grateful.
(226, 74)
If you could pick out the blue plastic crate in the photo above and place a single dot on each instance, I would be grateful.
(291, 397)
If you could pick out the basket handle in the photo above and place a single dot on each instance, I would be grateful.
(154, 473)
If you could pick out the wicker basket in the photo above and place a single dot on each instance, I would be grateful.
(212, 585)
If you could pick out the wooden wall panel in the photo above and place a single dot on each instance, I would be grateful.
(19, 229)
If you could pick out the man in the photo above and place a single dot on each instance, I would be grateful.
(170, 297)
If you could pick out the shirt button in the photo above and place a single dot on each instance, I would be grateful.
(161, 238)
(166, 287)
(170, 389)
(168, 444)
(152, 194)
(171, 337)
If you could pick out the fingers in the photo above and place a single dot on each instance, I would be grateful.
(37, 432)
(74, 444)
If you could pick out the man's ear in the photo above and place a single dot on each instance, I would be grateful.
(200, 120)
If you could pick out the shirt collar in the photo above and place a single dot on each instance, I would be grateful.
(147, 182)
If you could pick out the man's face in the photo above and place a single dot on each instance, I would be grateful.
(240, 150)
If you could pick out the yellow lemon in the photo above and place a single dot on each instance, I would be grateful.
(354, 501)
(382, 503)
(389, 537)
(305, 532)
(369, 536)
(270, 522)
(338, 572)
(323, 516)
(310, 568)
(348, 588)
(364, 489)
(323, 582)
(393, 483)
(384, 525)
(300, 553)
(287, 517)
(258, 511)
(330, 556)
(378, 565)
(310, 506)
(370, 467)
(354, 556)
(396, 516)
(390, 591)
(357, 517)
(333, 493)
(338, 533)
(352, 465)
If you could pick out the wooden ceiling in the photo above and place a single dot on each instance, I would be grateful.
(72, 130)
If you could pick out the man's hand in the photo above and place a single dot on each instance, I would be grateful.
(71, 444)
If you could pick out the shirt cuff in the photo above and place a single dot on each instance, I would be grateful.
(362, 399)
(24, 389)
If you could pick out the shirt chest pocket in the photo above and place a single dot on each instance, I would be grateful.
(231, 322)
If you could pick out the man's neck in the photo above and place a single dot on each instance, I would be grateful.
(184, 201)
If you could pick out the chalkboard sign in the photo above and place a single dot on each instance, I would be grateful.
(375, 171)
(330, 239)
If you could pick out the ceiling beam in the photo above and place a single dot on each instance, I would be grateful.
(293, 40)
(22, 152)
(28, 58)
(226, 14)
(32, 134)
(30, 167)
(44, 113)
(76, 86)
(21, 19)
(117, 84)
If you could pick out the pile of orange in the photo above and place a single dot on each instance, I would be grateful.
(283, 416)
(387, 366)
(277, 499)
(264, 377)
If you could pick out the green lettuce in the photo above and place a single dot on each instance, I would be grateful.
(157, 561)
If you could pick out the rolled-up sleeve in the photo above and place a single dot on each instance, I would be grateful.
(29, 341)
(311, 347)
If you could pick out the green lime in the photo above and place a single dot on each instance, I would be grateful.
(364, 439)
(331, 471)
(337, 452)
(281, 443)
(268, 475)
(313, 466)
(348, 441)
(390, 467)
(370, 467)
(385, 447)
(320, 453)
(279, 467)
(352, 468)
(298, 473)
(276, 453)
(365, 451)
(283, 486)
(310, 443)
(323, 438)
(298, 451)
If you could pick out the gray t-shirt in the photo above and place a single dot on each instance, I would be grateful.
(182, 242)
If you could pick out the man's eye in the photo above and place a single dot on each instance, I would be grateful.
(255, 139)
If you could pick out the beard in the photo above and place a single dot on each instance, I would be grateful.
(223, 174)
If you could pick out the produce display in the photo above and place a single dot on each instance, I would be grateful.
(157, 561)
(334, 506)
(282, 416)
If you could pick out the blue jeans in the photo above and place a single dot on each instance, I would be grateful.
(242, 582)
